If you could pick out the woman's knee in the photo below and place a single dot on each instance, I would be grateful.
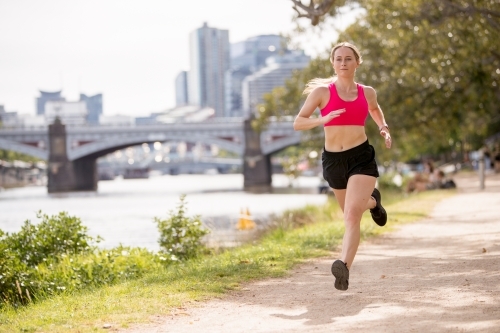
(352, 216)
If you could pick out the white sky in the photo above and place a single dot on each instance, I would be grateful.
(130, 51)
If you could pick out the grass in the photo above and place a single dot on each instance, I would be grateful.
(168, 290)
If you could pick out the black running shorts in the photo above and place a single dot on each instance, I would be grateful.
(339, 166)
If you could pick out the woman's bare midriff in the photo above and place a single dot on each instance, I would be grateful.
(340, 138)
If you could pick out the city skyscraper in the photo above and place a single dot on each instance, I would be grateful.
(70, 113)
(278, 70)
(253, 52)
(209, 60)
(94, 107)
(46, 96)
(181, 89)
(7, 119)
(247, 57)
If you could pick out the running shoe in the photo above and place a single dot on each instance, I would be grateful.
(379, 215)
(341, 273)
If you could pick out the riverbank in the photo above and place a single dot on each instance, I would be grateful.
(437, 275)
(122, 211)
(163, 292)
(19, 174)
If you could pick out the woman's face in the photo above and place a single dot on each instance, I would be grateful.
(344, 62)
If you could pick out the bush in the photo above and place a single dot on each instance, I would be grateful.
(52, 237)
(22, 252)
(13, 274)
(180, 236)
(101, 267)
(57, 255)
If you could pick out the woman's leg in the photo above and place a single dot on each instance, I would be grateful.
(340, 196)
(357, 200)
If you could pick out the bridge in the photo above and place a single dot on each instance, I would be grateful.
(72, 152)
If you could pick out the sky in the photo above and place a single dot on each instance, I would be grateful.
(130, 51)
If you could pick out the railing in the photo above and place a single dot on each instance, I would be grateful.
(219, 120)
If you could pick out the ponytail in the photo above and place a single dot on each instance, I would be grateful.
(318, 82)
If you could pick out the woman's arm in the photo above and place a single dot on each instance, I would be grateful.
(313, 101)
(377, 115)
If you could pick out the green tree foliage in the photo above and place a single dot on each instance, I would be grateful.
(316, 10)
(436, 71)
(7, 155)
(434, 64)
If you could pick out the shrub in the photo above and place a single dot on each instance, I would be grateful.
(57, 255)
(52, 237)
(13, 274)
(101, 267)
(22, 252)
(180, 236)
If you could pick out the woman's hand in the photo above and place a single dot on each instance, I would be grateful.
(333, 114)
(387, 136)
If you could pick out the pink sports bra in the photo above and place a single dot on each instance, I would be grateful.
(355, 113)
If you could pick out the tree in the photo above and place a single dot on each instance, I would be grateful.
(435, 66)
(10, 156)
(436, 76)
(317, 9)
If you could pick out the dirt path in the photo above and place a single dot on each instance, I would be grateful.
(438, 275)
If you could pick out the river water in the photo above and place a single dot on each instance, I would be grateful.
(122, 211)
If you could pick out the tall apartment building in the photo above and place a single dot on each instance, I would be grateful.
(70, 113)
(94, 107)
(209, 60)
(7, 119)
(247, 57)
(181, 89)
(46, 96)
(277, 71)
(253, 52)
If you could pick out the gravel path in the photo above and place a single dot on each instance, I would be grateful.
(438, 275)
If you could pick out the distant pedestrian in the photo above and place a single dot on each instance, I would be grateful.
(348, 159)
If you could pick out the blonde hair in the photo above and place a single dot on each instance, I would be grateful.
(353, 47)
(319, 82)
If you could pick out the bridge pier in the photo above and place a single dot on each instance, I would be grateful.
(257, 171)
(65, 175)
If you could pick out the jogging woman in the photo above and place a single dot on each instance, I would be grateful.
(348, 159)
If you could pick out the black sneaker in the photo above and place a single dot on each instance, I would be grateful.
(341, 273)
(379, 215)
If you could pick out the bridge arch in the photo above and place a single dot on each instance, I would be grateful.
(280, 144)
(24, 149)
(74, 168)
(101, 148)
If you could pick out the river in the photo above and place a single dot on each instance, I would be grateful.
(122, 211)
